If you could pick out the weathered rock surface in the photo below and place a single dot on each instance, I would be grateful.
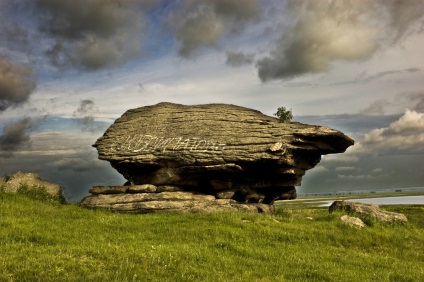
(227, 151)
(369, 210)
(19, 180)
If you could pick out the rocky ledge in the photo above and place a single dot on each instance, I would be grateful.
(219, 150)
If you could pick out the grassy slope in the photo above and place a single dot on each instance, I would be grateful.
(42, 241)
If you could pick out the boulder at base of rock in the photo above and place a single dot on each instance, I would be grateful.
(227, 151)
(352, 221)
(369, 210)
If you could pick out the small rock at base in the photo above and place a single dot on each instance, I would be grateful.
(108, 190)
(145, 188)
(169, 188)
(353, 221)
(225, 194)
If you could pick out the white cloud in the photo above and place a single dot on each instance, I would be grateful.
(345, 168)
(318, 170)
(405, 135)
(411, 120)
(377, 170)
(58, 144)
(390, 156)
(347, 157)
(356, 177)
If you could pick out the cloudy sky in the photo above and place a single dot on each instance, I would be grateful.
(69, 68)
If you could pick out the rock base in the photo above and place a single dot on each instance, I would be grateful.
(149, 198)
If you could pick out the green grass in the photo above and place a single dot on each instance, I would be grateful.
(47, 241)
(40, 193)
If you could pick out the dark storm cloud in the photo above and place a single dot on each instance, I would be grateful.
(365, 78)
(324, 32)
(413, 70)
(411, 100)
(238, 59)
(368, 78)
(403, 15)
(14, 136)
(16, 83)
(13, 34)
(84, 115)
(86, 106)
(418, 99)
(77, 164)
(199, 24)
(91, 34)
(377, 107)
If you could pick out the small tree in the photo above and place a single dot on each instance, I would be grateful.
(284, 115)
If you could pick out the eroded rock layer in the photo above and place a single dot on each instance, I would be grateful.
(226, 151)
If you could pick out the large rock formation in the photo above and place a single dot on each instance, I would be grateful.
(226, 151)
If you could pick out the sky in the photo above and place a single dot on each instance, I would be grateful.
(69, 68)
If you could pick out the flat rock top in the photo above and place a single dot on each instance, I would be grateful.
(210, 134)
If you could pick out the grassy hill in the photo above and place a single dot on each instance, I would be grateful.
(48, 241)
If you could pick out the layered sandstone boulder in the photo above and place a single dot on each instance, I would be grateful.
(26, 181)
(226, 151)
(367, 210)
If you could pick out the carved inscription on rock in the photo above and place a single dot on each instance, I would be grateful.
(148, 143)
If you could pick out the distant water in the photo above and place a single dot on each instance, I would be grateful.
(356, 192)
(404, 200)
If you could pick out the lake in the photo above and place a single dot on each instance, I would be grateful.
(403, 200)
